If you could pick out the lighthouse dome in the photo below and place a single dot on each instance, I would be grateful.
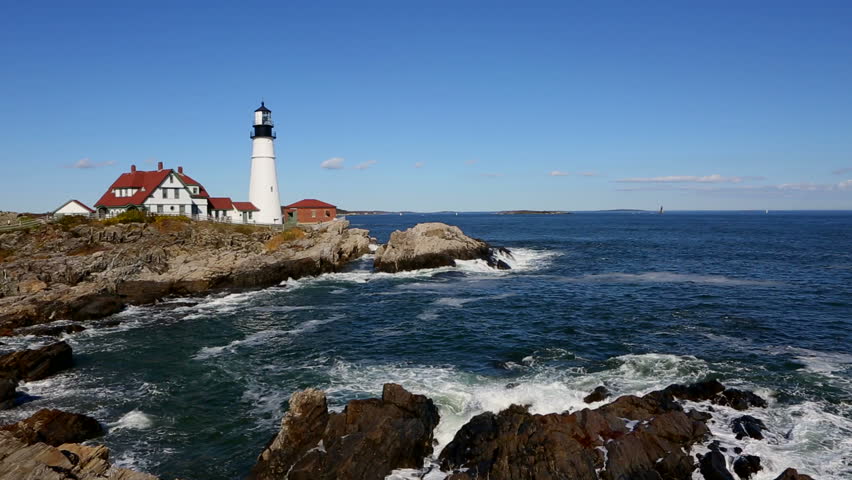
(263, 116)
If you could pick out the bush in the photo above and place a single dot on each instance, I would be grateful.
(286, 236)
(130, 216)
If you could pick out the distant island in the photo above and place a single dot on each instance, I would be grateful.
(533, 212)
(363, 212)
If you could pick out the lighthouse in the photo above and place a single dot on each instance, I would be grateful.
(263, 187)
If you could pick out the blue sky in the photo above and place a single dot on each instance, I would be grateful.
(439, 105)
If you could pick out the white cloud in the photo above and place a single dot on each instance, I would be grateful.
(87, 163)
(784, 188)
(841, 171)
(333, 163)
(419, 165)
(365, 165)
(715, 178)
(557, 173)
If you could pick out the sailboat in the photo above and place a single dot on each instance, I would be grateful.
(661, 209)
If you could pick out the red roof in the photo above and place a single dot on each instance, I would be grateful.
(245, 206)
(78, 202)
(146, 183)
(221, 203)
(310, 203)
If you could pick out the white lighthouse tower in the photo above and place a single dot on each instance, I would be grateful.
(263, 188)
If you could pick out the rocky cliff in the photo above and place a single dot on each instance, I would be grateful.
(90, 270)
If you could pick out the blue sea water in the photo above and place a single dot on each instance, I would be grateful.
(194, 388)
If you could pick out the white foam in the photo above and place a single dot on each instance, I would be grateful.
(262, 337)
(669, 277)
(805, 436)
(457, 302)
(460, 395)
(132, 420)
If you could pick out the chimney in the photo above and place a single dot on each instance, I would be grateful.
(133, 169)
(180, 170)
(159, 166)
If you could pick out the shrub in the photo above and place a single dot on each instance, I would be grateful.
(130, 216)
(286, 236)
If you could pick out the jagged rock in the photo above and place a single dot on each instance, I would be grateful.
(69, 461)
(739, 399)
(29, 365)
(748, 426)
(792, 474)
(432, 245)
(598, 394)
(7, 392)
(716, 393)
(587, 444)
(713, 467)
(747, 465)
(367, 440)
(55, 427)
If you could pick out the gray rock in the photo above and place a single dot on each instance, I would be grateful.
(433, 245)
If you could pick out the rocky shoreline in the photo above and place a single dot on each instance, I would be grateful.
(91, 270)
(654, 436)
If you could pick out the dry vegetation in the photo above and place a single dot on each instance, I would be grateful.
(287, 236)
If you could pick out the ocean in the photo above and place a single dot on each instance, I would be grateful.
(195, 387)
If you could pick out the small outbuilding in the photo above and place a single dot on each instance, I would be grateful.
(73, 207)
(309, 210)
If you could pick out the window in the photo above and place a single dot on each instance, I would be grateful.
(165, 193)
(159, 209)
(270, 189)
(177, 193)
(313, 214)
(327, 213)
(182, 209)
(171, 179)
(172, 208)
(249, 215)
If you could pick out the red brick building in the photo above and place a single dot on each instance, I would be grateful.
(309, 210)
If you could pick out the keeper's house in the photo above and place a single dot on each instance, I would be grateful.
(169, 192)
(309, 210)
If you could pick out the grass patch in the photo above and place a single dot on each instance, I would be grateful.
(286, 236)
